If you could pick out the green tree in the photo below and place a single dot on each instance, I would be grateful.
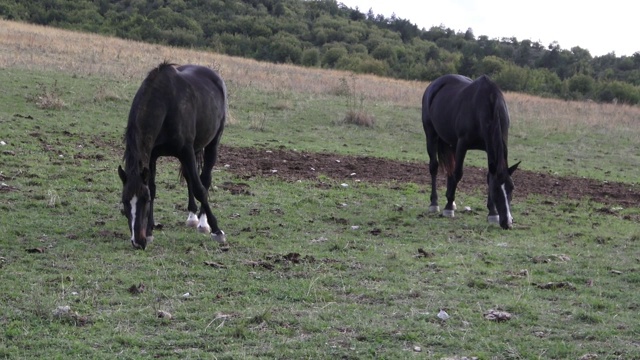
(511, 78)
(617, 91)
(311, 57)
(580, 86)
(333, 55)
(490, 65)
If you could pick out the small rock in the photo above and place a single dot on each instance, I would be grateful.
(164, 315)
(496, 315)
(442, 315)
(62, 311)
(588, 357)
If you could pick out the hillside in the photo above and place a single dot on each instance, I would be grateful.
(327, 34)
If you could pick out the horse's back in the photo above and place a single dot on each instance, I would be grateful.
(203, 76)
(210, 101)
(455, 107)
(440, 106)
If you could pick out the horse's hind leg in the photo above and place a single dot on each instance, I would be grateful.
(454, 179)
(432, 151)
(200, 192)
(192, 220)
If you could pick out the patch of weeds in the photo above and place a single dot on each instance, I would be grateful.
(588, 318)
(356, 113)
(104, 93)
(258, 122)
(48, 98)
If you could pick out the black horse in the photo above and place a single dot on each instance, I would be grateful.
(459, 114)
(178, 111)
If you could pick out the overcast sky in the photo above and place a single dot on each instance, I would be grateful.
(601, 27)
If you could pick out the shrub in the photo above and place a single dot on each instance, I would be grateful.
(332, 55)
(311, 57)
(616, 91)
(581, 84)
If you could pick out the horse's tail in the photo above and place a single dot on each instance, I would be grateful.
(446, 158)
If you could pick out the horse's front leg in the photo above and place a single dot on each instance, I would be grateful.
(493, 217)
(152, 194)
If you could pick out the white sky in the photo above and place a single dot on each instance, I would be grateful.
(601, 27)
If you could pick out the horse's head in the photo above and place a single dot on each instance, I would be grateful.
(136, 200)
(501, 187)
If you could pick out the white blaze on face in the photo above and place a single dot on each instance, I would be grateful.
(506, 203)
(133, 202)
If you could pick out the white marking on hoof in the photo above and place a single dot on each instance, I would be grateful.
(448, 213)
(434, 208)
(494, 219)
(454, 206)
(220, 238)
(203, 225)
(192, 220)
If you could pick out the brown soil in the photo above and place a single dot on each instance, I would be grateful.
(293, 165)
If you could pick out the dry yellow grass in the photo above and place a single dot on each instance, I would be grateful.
(44, 48)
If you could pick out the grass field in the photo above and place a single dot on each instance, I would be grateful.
(314, 270)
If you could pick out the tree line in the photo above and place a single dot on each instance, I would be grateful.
(327, 34)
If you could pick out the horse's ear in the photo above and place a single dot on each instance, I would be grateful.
(145, 176)
(123, 175)
(513, 168)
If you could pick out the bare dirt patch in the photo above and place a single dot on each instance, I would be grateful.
(294, 165)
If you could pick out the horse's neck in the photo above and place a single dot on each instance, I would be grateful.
(136, 157)
(496, 151)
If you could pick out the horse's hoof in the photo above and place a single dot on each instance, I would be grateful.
(192, 220)
(204, 229)
(434, 208)
(221, 238)
(494, 219)
(448, 213)
(203, 225)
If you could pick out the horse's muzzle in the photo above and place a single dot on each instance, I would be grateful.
(140, 241)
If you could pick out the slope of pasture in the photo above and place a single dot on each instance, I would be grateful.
(321, 266)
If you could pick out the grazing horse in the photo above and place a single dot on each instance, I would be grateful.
(178, 111)
(459, 114)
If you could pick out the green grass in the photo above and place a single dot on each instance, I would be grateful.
(360, 287)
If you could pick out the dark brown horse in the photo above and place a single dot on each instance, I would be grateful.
(459, 114)
(178, 111)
